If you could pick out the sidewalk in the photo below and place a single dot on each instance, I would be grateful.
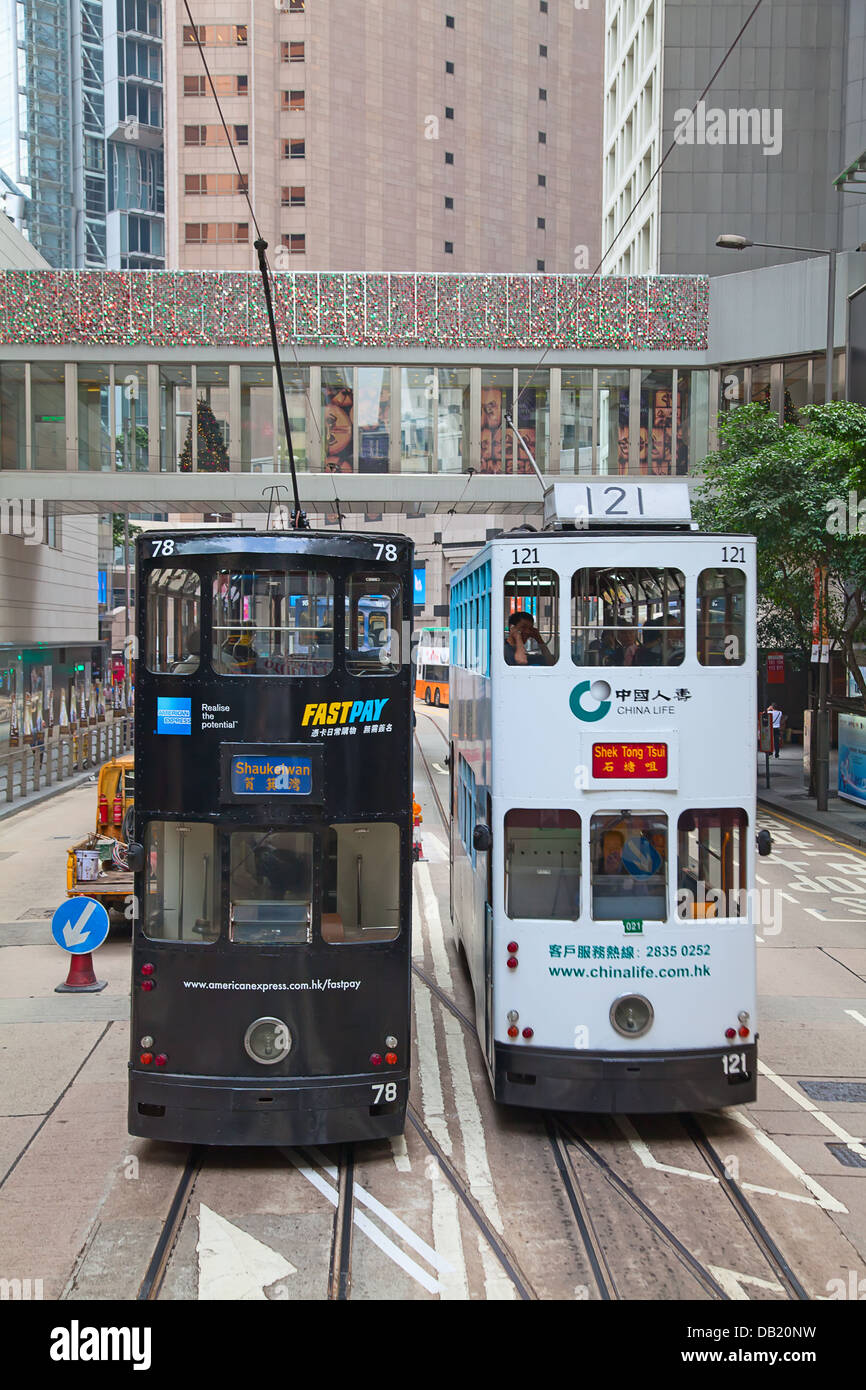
(788, 795)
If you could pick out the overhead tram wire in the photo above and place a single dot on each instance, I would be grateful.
(743, 27)
(299, 519)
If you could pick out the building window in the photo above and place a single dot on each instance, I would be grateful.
(215, 35)
(449, 21)
(200, 185)
(542, 137)
(295, 243)
(449, 67)
(214, 135)
(542, 94)
(296, 6)
(449, 113)
(542, 180)
(292, 101)
(449, 248)
(449, 202)
(449, 158)
(542, 5)
(225, 85)
(217, 233)
(292, 52)
(539, 265)
(542, 50)
(540, 222)
(293, 197)
(294, 149)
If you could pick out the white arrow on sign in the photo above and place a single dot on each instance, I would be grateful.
(233, 1264)
(74, 932)
(732, 1282)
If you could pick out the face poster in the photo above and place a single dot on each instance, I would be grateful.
(527, 426)
(495, 451)
(338, 415)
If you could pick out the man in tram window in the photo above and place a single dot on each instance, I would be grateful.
(605, 650)
(190, 659)
(522, 629)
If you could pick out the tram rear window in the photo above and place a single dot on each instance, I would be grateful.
(542, 864)
(271, 887)
(628, 617)
(173, 609)
(531, 617)
(711, 864)
(181, 882)
(361, 897)
(273, 623)
(721, 617)
(629, 866)
(374, 611)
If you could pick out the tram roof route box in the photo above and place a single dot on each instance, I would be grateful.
(603, 502)
(268, 771)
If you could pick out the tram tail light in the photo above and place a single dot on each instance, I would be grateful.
(146, 1059)
(743, 1032)
(730, 1032)
(529, 1032)
(160, 1059)
(512, 947)
(375, 1059)
(148, 985)
(391, 1059)
(513, 1032)
(147, 969)
(512, 962)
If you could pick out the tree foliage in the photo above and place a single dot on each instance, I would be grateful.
(799, 490)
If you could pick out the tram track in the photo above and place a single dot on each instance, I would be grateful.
(340, 1266)
(154, 1275)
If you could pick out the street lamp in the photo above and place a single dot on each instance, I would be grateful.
(728, 241)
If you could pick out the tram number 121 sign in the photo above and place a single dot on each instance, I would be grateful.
(629, 760)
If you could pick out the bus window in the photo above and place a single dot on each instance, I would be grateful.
(271, 887)
(629, 858)
(173, 635)
(542, 864)
(534, 595)
(711, 864)
(180, 898)
(721, 617)
(273, 622)
(374, 613)
(361, 900)
(627, 617)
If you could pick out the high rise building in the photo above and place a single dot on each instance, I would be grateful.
(786, 114)
(394, 134)
(81, 128)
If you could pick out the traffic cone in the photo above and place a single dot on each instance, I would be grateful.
(81, 979)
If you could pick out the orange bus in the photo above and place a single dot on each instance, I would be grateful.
(431, 680)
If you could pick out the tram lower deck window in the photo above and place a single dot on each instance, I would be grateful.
(721, 617)
(361, 878)
(173, 633)
(273, 622)
(181, 882)
(271, 887)
(628, 617)
(711, 864)
(629, 866)
(542, 864)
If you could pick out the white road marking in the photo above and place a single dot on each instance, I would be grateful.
(440, 768)
(417, 935)
(759, 938)
(233, 1264)
(820, 1199)
(805, 1104)
(764, 881)
(400, 1153)
(446, 1232)
(732, 1282)
(384, 1243)
(859, 1017)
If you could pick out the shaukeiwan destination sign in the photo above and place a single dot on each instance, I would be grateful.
(263, 775)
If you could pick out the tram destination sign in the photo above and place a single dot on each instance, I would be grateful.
(606, 502)
(624, 760)
(266, 771)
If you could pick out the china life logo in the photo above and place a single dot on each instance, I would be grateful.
(590, 700)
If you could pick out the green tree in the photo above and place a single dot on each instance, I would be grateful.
(213, 456)
(797, 488)
(117, 530)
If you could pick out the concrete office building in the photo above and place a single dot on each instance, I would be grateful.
(391, 135)
(786, 114)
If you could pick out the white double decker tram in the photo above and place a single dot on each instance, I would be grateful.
(603, 745)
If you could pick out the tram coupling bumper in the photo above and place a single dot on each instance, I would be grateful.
(627, 1083)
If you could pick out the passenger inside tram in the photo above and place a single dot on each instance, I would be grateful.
(521, 631)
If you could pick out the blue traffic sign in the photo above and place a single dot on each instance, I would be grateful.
(80, 925)
(640, 857)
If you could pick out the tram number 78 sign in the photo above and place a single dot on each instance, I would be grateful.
(629, 760)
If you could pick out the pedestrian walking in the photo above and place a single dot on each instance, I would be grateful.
(778, 718)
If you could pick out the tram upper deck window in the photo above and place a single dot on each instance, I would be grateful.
(361, 899)
(374, 613)
(271, 887)
(629, 858)
(173, 634)
(628, 617)
(273, 622)
(531, 636)
(721, 617)
(181, 894)
(711, 864)
(542, 864)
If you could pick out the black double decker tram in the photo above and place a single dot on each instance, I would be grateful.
(273, 837)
